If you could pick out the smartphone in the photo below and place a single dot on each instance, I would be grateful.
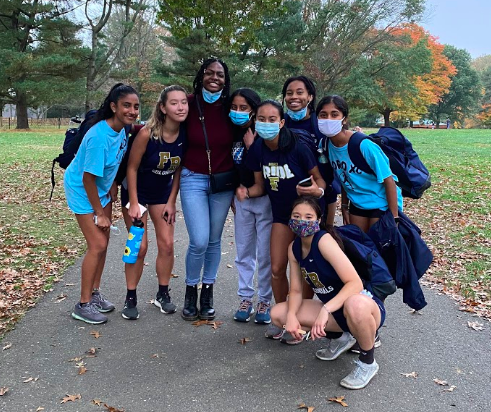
(143, 209)
(305, 182)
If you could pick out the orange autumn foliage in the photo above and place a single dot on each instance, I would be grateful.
(431, 86)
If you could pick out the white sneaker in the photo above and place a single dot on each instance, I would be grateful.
(361, 375)
(336, 347)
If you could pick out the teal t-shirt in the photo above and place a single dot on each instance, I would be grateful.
(366, 191)
(100, 154)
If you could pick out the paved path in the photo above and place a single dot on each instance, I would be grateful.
(162, 363)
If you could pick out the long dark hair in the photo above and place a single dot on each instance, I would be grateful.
(312, 202)
(309, 85)
(340, 104)
(105, 112)
(287, 140)
(198, 80)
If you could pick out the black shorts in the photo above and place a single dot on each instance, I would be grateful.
(338, 315)
(158, 199)
(353, 210)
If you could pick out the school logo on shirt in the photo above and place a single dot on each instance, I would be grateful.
(313, 278)
(164, 158)
(274, 173)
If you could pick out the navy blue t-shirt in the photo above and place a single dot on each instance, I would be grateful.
(316, 270)
(158, 165)
(281, 171)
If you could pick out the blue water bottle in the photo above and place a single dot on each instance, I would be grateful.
(134, 242)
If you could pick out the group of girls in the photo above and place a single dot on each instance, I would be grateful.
(279, 203)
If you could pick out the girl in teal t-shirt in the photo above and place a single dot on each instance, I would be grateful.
(90, 190)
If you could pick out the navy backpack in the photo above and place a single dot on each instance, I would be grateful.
(371, 267)
(405, 163)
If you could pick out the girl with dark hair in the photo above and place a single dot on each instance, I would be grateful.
(369, 195)
(152, 180)
(205, 208)
(253, 217)
(90, 188)
(279, 163)
(343, 306)
(299, 96)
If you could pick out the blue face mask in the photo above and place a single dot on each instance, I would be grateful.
(267, 131)
(210, 97)
(298, 115)
(239, 118)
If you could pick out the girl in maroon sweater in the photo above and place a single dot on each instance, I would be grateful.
(205, 212)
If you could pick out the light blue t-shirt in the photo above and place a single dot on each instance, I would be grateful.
(100, 154)
(366, 191)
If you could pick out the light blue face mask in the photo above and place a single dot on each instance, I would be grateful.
(210, 97)
(267, 131)
(298, 115)
(239, 118)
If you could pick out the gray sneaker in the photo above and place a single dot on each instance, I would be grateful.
(376, 344)
(130, 310)
(101, 303)
(336, 347)
(274, 332)
(88, 313)
(289, 339)
(164, 303)
(360, 376)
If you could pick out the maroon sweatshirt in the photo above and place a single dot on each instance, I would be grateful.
(220, 138)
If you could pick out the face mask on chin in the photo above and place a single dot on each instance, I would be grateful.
(267, 131)
(210, 97)
(330, 127)
(304, 228)
(297, 115)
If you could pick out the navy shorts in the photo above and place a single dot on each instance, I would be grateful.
(353, 210)
(343, 324)
(158, 199)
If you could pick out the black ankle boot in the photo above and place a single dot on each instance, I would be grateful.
(206, 310)
(190, 309)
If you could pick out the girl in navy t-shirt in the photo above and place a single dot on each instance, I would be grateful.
(316, 256)
(299, 96)
(279, 163)
(152, 178)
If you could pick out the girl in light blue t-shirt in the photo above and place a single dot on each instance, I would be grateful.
(365, 197)
(90, 189)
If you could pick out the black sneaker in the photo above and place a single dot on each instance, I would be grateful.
(163, 302)
(130, 311)
(356, 347)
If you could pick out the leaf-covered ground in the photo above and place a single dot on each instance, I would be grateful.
(40, 239)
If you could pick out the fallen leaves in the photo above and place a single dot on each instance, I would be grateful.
(91, 353)
(338, 399)
(475, 325)
(7, 346)
(71, 398)
(30, 379)
(3, 390)
(61, 298)
(440, 382)
(410, 375)
(243, 341)
(173, 275)
(96, 334)
(229, 266)
(82, 370)
(112, 408)
(303, 406)
(215, 324)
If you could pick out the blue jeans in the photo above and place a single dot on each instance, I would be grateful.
(204, 214)
(253, 220)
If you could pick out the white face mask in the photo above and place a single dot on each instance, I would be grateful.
(330, 127)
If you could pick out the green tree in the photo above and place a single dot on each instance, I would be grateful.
(39, 54)
(383, 80)
(341, 32)
(464, 96)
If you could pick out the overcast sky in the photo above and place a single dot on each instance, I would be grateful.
(465, 24)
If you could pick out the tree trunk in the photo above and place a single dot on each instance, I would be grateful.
(387, 113)
(21, 111)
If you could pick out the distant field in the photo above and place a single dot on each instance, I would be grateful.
(40, 239)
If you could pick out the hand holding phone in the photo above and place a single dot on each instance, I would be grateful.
(305, 182)
(143, 209)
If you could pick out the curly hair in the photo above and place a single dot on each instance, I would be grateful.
(198, 80)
